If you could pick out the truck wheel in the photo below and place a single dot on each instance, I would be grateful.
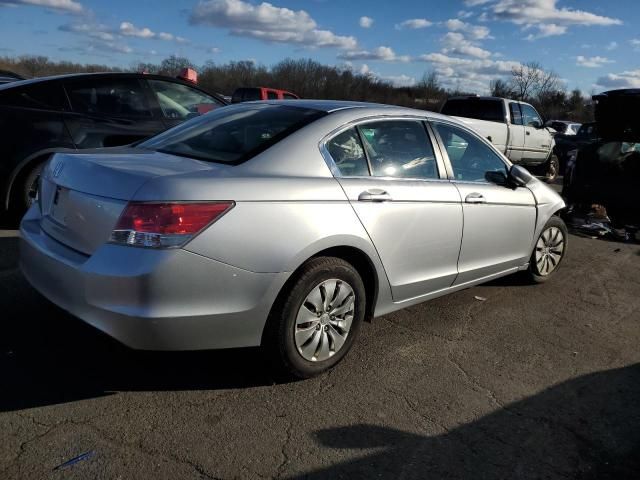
(552, 169)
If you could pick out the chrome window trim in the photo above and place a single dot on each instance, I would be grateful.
(335, 171)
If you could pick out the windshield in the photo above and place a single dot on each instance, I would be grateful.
(232, 134)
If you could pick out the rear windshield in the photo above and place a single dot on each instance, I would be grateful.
(481, 109)
(232, 134)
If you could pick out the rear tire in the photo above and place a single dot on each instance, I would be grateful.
(549, 251)
(315, 321)
(25, 189)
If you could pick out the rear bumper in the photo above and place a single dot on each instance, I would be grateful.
(150, 299)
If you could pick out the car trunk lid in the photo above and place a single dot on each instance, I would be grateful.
(82, 195)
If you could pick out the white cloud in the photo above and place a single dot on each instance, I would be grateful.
(128, 29)
(98, 31)
(635, 42)
(67, 6)
(464, 14)
(628, 79)
(366, 22)
(385, 54)
(455, 44)
(165, 36)
(414, 24)
(547, 30)
(476, 32)
(398, 80)
(214, 50)
(531, 12)
(612, 46)
(267, 22)
(473, 3)
(470, 74)
(592, 62)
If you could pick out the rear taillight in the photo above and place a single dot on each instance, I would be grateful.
(161, 225)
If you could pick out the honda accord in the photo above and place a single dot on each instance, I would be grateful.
(285, 224)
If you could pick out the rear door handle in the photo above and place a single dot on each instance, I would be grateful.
(475, 198)
(374, 195)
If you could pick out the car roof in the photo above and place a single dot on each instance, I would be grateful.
(32, 81)
(330, 106)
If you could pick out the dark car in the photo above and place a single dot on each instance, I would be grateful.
(587, 133)
(607, 171)
(79, 111)
(7, 77)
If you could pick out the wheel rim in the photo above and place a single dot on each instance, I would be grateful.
(32, 192)
(549, 250)
(553, 170)
(324, 320)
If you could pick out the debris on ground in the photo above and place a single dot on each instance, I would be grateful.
(597, 224)
(74, 460)
(481, 299)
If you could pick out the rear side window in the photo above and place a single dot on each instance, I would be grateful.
(233, 134)
(347, 153)
(399, 148)
(271, 95)
(178, 101)
(516, 114)
(482, 109)
(118, 97)
(41, 95)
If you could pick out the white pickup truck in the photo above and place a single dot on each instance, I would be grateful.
(512, 126)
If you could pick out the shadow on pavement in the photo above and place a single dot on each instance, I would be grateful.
(585, 428)
(48, 357)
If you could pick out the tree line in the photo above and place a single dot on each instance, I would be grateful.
(310, 79)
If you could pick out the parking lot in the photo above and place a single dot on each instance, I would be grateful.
(504, 380)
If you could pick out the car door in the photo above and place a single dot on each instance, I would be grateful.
(499, 220)
(537, 140)
(516, 133)
(179, 102)
(397, 186)
(109, 111)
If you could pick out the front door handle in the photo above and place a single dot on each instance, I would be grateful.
(528, 132)
(374, 195)
(475, 198)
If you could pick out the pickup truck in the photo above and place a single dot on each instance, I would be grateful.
(514, 127)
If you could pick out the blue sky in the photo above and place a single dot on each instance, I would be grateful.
(590, 44)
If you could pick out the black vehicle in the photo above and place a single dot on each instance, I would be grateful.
(6, 77)
(587, 133)
(607, 171)
(78, 111)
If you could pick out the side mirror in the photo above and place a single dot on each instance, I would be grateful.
(496, 177)
(520, 176)
(536, 124)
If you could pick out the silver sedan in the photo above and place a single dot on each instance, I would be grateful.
(283, 224)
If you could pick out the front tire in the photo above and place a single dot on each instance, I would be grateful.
(313, 326)
(549, 250)
(552, 169)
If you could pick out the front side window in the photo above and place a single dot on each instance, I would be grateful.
(516, 115)
(271, 95)
(233, 134)
(119, 97)
(530, 116)
(179, 101)
(471, 159)
(399, 148)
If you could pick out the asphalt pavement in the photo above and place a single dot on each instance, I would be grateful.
(502, 381)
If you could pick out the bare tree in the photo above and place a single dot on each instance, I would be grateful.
(501, 88)
(525, 79)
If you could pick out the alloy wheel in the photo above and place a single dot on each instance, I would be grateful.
(549, 250)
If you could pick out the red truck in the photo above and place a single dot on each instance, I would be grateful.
(249, 94)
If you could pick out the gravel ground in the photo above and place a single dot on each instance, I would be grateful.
(534, 382)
